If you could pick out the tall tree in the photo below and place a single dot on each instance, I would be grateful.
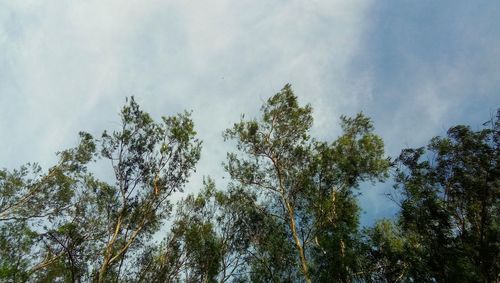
(276, 151)
(302, 182)
(150, 161)
(87, 229)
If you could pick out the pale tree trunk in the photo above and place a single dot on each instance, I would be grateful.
(293, 226)
(298, 244)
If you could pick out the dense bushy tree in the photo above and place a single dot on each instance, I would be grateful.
(450, 209)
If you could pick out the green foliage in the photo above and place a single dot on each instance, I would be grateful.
(387, 252)
(68, 225)
(306, 184)
(450, 207)
(274, 259)
(33, 203)
(336, 170)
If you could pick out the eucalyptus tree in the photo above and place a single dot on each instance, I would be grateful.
(306, 185)
(150, 161)
(275, 152)
(85, 229)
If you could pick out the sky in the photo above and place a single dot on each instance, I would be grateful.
(415, 67)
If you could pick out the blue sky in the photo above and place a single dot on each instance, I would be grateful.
(415, 67)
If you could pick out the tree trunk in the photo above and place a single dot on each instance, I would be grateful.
(298, 244)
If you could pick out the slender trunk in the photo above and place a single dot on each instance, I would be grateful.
(298, 244)
(108, 251)
(293, 226)
(102, 272)
(121, 262)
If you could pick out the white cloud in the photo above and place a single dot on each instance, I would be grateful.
(69, 66)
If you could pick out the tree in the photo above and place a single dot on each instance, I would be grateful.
(335, 173)
(450, 209)
(277, 148)
(31, 203)
(301, 182)
(150, 161)
(83, 228)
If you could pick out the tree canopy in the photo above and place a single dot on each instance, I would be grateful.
(289, 213)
